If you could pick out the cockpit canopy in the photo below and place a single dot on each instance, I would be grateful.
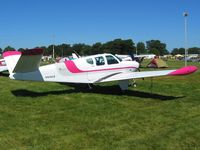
(99, 60)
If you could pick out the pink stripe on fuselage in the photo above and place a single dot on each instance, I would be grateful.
(74, 69)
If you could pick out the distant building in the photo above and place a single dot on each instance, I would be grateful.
(47, 58)
(167, 56)
(193, 55)
(179, 56)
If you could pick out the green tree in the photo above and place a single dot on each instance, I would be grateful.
(154, 51)
(9, 48)
(96, 48)
(178, 51)
(194, 50)
(153, 45)
(87, 49)
(181, 51)
(44, 49)
(128, 46)
(81, 49)
(21, 49)
(1, 51)
(49, 50)
(174, 51)
(111, 47)
(141, 48)
(65, 49)
(119, 46)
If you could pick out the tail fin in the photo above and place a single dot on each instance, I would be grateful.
(25, 61)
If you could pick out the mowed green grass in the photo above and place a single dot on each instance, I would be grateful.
(164, 115)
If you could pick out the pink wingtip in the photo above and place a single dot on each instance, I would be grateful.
(184, 71)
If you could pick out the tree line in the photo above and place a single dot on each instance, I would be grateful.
(192, 50)
(117, 46)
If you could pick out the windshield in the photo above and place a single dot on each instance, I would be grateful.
(118, 58)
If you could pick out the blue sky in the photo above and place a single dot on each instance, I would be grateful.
(30, 23)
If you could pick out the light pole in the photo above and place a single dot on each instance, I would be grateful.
(136, 50)
(185, 14)
(53, 48)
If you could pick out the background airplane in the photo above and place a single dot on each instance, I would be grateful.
(3, 66)
(131, 57)
(91, 69)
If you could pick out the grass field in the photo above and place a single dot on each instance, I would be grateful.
(54, 116)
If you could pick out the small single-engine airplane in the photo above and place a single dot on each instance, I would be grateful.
(91, 69)
(3, 66)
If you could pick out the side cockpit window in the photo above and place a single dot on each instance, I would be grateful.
(90, 61)
(99, 61)
(111, 60)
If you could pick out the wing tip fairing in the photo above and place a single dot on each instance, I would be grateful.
(184, 71)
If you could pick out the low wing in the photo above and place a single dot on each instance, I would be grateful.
(135, 75)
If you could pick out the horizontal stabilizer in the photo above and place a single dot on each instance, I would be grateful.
(25, 61)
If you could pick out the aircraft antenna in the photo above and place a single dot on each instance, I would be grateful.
(76, 54)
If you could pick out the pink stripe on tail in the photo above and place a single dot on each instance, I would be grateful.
(29, 52)
(10, 53)
(184, 71)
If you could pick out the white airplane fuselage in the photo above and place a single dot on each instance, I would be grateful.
(90, 69)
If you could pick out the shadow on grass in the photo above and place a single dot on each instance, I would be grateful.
(4, 74)
(105, 90)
